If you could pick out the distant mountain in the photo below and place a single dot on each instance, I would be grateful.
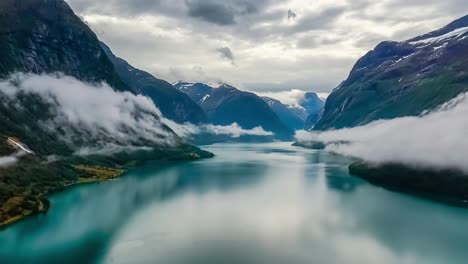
(173, 104)
(293, 117)
(302, 116)
(225, 105)
(314, 107)
(197, 91)
(402, 78)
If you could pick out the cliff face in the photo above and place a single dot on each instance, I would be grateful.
(44, 36)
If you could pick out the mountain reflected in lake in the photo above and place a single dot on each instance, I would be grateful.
(252, 203)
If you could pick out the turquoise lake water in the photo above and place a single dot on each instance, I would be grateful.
(253, 203)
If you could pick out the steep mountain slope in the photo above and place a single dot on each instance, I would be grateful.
(84, 116)
(226, 105)
(402, 78)
(46, 36)
(173, 104)
(197, 91)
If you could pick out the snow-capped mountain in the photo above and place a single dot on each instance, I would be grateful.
(402, 78)
(225, 105)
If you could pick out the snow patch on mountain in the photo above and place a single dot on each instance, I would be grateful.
(450, 35)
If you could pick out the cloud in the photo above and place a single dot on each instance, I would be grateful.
(271, 50)
(291, 15)
(93, 113)
(292, 97)
(7, 161)
(188, 130)
(214, 12)
(436, 139)
(221, 13)
(95, 119)
(226, 53)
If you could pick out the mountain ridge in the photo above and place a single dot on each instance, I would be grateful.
(226, 104)
(402, 78)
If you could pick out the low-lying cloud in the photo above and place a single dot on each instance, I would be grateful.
(292, 97)
(234, 130)
(95, 111)
(436, 139)
(95, 118)
(7, 161)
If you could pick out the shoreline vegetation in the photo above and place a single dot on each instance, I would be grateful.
(30, 178)
(19, 207)
(448, 186)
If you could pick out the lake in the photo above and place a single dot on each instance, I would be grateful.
(253, 203)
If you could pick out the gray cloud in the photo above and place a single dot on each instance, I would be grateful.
(321, 20)
(226, 53)
(220, 12)
(214, 12)
(291, 15)
(171, 37)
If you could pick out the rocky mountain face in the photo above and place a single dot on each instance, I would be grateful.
(225, 105)
(402, 78)
(46, 36)
(173, 104)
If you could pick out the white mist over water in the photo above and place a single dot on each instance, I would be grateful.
(234, 130)
(437, 139)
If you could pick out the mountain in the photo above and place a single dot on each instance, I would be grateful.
(173, 104)
(314, 107)
(80, 129)
(402, 78)
(45, 37)
(293, 117)
(302, 116)
(197, 91)
(225, 105)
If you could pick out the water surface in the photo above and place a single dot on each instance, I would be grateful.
(253, 203)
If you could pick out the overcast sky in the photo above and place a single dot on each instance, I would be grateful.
(258, 45)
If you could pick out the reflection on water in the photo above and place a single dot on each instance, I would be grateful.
(253, 203)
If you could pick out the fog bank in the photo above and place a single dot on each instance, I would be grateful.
(109, 121)
(436, 139)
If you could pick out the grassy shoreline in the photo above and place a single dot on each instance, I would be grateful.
(40, 205)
